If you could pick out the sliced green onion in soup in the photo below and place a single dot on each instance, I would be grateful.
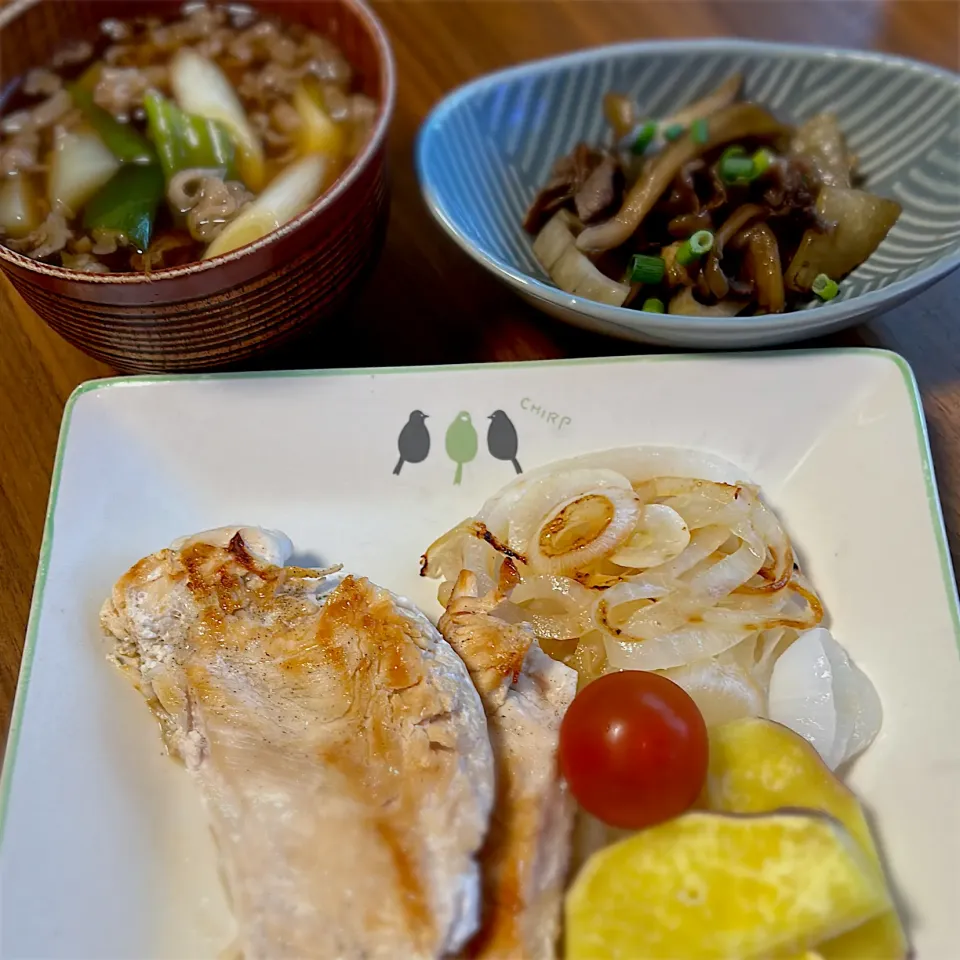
(201, 88)
(188, 142)
(19, 210)
(80, 165)
(287, 196)
(124, 141)
(127, 205)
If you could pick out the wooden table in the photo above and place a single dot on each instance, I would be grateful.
(460, 313)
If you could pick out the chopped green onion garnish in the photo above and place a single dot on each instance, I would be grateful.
(824, 287)
(735, 169)
(701, 242)
(761, 162)
(695, 247)
(654, 305)
(673, 131)
(735, 151)
(700, 131)
(640, 137)
(645, 269)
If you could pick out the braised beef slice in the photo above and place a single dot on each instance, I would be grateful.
(793, 185)
(591, 180)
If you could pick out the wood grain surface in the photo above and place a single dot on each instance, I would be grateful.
(427, 302)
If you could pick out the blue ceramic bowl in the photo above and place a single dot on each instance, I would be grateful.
(486, 149)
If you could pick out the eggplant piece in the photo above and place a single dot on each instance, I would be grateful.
(860, 222)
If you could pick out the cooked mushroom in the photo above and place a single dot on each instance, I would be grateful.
(720, 195)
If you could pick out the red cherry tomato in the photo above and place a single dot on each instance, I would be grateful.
(633, 747)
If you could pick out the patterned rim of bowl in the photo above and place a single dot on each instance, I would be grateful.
(615, 319)
(342, 183)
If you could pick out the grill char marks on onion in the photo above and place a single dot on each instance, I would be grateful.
(639, 558)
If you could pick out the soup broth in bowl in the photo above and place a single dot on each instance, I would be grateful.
(169, 141)
(278, 250)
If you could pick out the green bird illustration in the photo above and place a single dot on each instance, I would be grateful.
(461, 443)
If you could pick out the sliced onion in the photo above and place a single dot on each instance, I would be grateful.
(686, 605)
(771, 644)
(660, 535)
(686, 645)
(700, 502)
(778, 546)
(444, 557)
(723, 691)
(703, 543)
(724, 587)
(524, 512)
(545, 626)
(445, 592)
(619, 521)
(547, 586)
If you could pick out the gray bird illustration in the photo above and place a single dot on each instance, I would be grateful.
(413, 442)
(461, 443)
(502, 439)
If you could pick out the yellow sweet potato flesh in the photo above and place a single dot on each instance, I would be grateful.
(709, 885)
(757, 766)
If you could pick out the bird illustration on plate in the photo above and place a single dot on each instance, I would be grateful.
(461, 443)
(502, 439)
(414, 441)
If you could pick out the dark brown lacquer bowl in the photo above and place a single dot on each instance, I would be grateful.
(227, 309)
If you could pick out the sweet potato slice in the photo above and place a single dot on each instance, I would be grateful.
(709, 885)
(757, 766)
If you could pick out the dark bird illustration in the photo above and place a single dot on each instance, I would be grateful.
(461, 442)
(502, 439)
(413, 442)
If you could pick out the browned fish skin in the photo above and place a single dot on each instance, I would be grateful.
(525, 858)
(339, 746)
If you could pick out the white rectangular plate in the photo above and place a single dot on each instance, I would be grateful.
(104, 849)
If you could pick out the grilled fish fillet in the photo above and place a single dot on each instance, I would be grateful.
(339, 746)
(525, 858)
